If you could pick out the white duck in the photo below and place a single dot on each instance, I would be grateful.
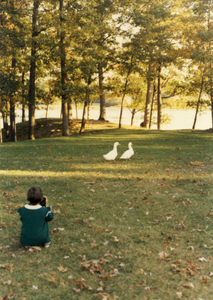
(113, 153)
(128, 153)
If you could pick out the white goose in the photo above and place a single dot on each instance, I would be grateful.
(128, 153)
(113, 153)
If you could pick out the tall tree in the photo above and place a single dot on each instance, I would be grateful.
(65, 110)
(35, 33)
(197, 39)
(155, 36)
(12, 33)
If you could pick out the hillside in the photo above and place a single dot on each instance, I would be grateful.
(52, 127)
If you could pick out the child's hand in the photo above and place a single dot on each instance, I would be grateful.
(46, 201)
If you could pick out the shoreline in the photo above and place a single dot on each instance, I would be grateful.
(180, 119)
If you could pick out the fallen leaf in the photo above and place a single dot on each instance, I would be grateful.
(58, 229)
(62, 269)
(148, 288)
(94, 245)
(76, 290)
(163, 255)
(49, 277)
(34, 249)
(189, 285)
(7, 282)
(104, 296)
(116, 240)
(35, 287)
(196, 163)
(80, 284)
(179, 295)
(202, 259)
(9, 267)
(190, 248)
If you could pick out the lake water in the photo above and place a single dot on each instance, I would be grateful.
(180, 119)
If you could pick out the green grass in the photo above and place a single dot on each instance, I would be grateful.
(117, 217)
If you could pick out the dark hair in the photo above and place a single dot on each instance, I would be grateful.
(35, 195)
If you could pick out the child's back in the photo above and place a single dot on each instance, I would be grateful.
(34, 218)
(35, 229)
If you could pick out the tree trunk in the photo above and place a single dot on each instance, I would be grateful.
(198, 102)
(65, 119)
(13, 137)
(5, 124)
(76, 110)
(65, 110)
(212, 108)
(159, 101)
(0, 135)
(23, 98)
(83, 122)
(148, 98)
(124, 92)
(88, 111)
(152, 105)
(47, 109)
(31, 135)
(86, 103)
(133, 115)
(121, 110)
(23, 118)
(102, 116)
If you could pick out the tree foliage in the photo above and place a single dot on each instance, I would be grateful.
(83, 49)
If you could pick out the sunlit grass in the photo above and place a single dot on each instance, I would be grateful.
(117, 216)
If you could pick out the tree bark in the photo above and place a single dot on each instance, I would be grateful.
(133, 115)
(12, 136)
(124, 93)
(5, 124)
(159, 100)
(152, 105)
(23, 99)
(121, 110)
(76, 110)
(65, 109)
(102, 116)
(83, 122)
(148, 100)
(198, 102)
(86, 103)
(31, 133)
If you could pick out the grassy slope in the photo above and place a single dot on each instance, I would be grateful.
(117, 217)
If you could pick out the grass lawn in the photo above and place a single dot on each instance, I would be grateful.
(139, 229)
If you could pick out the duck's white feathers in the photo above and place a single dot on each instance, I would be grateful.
(113, 153)
(128, 153)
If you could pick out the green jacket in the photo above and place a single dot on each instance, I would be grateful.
(35, 229)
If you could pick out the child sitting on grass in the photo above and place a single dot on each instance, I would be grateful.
(34, 217)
